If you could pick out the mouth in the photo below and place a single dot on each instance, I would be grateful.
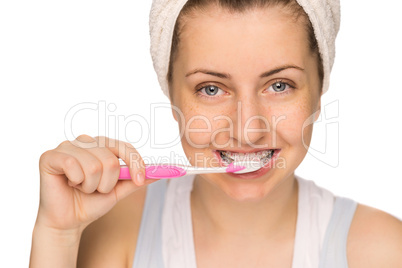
(266, 157)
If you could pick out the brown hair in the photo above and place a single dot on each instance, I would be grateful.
(239, 6)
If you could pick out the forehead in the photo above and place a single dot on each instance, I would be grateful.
(263, 36)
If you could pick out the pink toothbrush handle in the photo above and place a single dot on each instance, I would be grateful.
(155, 172)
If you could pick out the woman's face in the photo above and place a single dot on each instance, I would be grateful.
(245, 83)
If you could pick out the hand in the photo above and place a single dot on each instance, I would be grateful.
(79, 181)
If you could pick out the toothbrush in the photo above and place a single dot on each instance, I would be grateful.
(168, 171)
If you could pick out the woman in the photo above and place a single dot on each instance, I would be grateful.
(244, 77)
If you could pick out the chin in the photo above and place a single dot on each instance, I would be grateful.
(245, 191)
(252, 190)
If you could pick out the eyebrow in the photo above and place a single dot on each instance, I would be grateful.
(228, 76)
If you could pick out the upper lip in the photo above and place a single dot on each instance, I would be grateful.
(247, 151)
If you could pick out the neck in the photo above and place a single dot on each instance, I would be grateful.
(215, 212)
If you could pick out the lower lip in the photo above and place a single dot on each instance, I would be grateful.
(255, 174)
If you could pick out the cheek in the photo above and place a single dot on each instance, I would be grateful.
(197, 131)
(199, 125)
(294, 123)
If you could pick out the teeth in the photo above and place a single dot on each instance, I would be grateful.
(263, 156)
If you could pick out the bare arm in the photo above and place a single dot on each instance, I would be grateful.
(375, 239)
(54, 248)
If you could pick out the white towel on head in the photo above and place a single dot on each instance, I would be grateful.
(324, 16)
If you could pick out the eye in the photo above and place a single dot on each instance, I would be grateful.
(210, 90)
(279, 87)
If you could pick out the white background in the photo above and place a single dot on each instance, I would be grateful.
(57, 54)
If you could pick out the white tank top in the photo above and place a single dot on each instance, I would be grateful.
(166, 235)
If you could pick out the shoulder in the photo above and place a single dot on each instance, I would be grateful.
(110, 241)
(375, 239)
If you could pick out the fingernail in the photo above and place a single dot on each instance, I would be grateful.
(140, 178)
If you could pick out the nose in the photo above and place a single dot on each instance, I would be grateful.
(250, 123)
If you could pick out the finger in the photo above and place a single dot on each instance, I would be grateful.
(129, 155)
(58, 163)
(124, 188)
(90, 164)
(110, 168)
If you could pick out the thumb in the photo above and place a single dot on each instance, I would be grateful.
(124, 188)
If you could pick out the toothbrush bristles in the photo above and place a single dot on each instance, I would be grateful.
(250, 166)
